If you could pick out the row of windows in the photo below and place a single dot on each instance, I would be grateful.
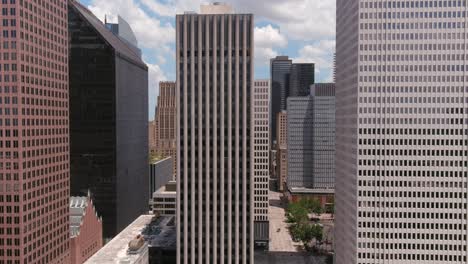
(416, 173)
(411, 15)
(411, 4)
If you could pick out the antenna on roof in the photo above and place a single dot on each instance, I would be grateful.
(105, 19)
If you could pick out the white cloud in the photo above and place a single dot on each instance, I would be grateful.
(161, 9)
(266, 40)
(320, 53)
(150, 32)
(299, 19)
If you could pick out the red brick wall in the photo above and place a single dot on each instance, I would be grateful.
(89, 240)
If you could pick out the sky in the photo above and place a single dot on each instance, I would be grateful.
(304, 30)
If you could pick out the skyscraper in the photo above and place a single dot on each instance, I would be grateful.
(165, 123)
(300, 79)
(280, 68)
(311, 139)
(401, 132)
(282, 150)
(34, 146)
(261, 119)
(215, 139)
(108, 121)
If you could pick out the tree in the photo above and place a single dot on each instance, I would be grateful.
(296, 213)
(317, 232)
(330, 208)
(306, 233)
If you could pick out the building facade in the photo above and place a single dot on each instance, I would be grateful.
(164, 200)
(85, 229)
(34, 145)
(215, 136)
(165, 123)
(152, 138)
(280, 68)
(401, 132)
(302, 76)
(161, 172)
(108, 121)
(311, 139)
(261, 119)
(282, 150)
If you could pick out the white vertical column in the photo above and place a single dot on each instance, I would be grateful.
(199, 157)
(178, 231)
(229, 160)
(222, 140)
(244, 140)
(237, 141)
(215, 234)
(207, 139)
(193, 32)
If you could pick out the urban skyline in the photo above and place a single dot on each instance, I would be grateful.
(233, 169)
(281, 27)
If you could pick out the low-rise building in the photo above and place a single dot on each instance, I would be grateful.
(149, 239)
(85, 229)
(164, 200)
(161, 172)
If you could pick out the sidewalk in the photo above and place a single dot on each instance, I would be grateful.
(280, 241)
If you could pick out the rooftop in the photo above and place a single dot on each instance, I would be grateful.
(169, 188)
(161, 233)
(78, 205)
(150, 231)
(115, 251)
(113, 40)
(301, 190)
(216, 8)
(154, 159)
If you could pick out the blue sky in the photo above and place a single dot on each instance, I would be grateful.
(304, 30)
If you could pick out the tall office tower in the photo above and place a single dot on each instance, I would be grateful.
(34, 153)
(282, 150)
(261, 163)
(108, 121)
(401, 132)
(215, 168)
(165, 123)
(152, 137)
(300, 79)
(311, 139)
(280, 68)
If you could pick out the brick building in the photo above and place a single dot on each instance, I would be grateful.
(85, 229)
(34, 146)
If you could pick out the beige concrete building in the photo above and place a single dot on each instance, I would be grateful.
(282, 150)
(165, 123)
(215, 141)
(164, 200)
(401, 97)
(261, 118)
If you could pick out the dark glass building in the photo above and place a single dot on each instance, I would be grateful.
(108, 120)
(280, 68)
(300, 79)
